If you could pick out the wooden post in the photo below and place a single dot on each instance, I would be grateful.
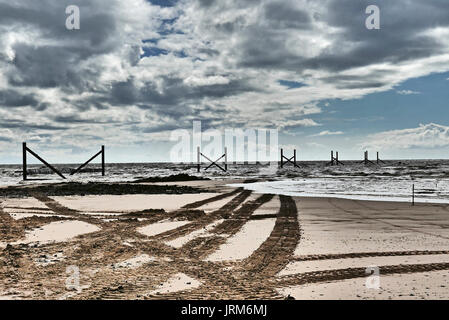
(332, 158)
(336, 157)
(198, 159)
(102, 162)
(294, 157)
(24, 163)
(413, 195)
(282, 158)
(226, 158)
(377, 157)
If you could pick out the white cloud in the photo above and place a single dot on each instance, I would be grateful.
(407, 92)
(299, 123)
(425, 136)
(328, 133)
(205, 81)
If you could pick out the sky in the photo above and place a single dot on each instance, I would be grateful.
(136, 71)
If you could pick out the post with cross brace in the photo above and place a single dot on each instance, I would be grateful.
(334, 160)
(291, 160)
(212, 163)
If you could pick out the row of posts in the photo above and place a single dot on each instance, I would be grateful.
(284, 160)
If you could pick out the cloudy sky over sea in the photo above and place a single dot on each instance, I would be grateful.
(136, 70)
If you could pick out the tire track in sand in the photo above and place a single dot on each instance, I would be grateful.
(276, 252)
(351, 273)
(315, 257)
(202, 247)
(203, 221)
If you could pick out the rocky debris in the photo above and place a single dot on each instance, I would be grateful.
(94, 188)
(173, 178)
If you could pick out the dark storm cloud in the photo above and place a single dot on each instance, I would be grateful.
(57, 64)
(196, 57)
(175, 92)
(262, 45)
(76, 119)
(13, 98)
(49, 17)
(207, 3)
(19, 124)
(282, 15)
(47, 67)
(400, 38)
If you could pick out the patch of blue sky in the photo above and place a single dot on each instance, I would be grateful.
(388, 110)
(291, 84)
(164, 3)
(153, 52)
(153, 40)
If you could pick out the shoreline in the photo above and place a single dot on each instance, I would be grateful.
(198, 186)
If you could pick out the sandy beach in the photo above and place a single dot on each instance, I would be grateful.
(206, 240)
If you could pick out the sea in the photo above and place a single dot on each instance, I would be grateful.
(393, 180)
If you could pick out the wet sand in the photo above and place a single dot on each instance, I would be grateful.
(210, 241)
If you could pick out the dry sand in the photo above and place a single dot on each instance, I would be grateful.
(128, 203)
(178, 282)
(333, 226)
(418, 286)
(58, 232)
(271, 207)
(204, 232)
(245, 242)
(239, 246)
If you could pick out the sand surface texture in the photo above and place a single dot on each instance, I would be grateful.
(231, 244)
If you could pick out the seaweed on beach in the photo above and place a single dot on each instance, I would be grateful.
(94, 188)
(173, 178)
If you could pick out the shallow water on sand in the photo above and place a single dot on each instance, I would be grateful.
(358, 188)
